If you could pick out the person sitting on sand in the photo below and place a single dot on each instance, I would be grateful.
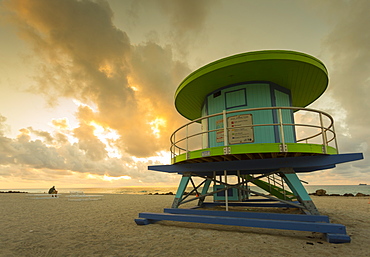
(53, 191)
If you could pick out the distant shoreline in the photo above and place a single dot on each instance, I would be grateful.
(171, 193)
(330, 190)
(346, 194)
(13, 192)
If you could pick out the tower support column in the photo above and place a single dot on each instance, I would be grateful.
(207, 183)
(295, 184)
(181, 189)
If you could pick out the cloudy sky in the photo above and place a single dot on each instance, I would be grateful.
(87, 86)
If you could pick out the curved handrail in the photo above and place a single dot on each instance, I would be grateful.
(323, 133)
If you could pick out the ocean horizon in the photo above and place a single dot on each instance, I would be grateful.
(330, 189)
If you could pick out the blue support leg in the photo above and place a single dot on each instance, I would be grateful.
(180, 190)
(207, 183)
(294, 183)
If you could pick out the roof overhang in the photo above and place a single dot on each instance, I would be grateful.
(305, 76)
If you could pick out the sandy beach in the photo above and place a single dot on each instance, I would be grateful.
(58, 227)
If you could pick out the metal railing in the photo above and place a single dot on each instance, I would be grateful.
(186, 139)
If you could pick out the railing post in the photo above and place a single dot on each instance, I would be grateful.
(282, 131)
(179, 150)
(335, 140)
(173, 150)
(172, 161)
(214, 177)
(323, 132)
(187, 142)
(239, 191)
(205, 135)
(226, 192)
(226, 143)
(174, 145)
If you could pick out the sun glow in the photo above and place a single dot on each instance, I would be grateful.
(81, 104)
(162, 157)
(156, 124)
(107, 136)
(107, 178)
(132, 84)
(107, 70)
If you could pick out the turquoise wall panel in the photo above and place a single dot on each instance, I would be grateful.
(263, 134)
(215, 123)
(232, 194)
(242, 97)
(235, 98)
(258, 95)
(283, 99)
(215, 104)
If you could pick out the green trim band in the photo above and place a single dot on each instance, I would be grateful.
(252, 149)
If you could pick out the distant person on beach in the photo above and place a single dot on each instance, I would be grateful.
(53, 191)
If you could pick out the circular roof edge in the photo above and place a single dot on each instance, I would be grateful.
(290, 69)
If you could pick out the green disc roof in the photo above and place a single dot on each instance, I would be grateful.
(304, 75)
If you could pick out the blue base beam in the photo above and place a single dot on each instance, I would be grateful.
(326, 228)
(258, 200)
(251, 204)
(299, 164)
(337, 238)
(251, 215)
(142, 221)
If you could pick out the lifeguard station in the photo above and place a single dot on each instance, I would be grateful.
(249, 126)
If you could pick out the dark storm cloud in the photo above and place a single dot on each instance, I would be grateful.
(187, 19)
(84, 56)
(347, 46)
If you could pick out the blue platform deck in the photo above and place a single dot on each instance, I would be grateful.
(261, 166)
(335, 233)
(251, 215)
